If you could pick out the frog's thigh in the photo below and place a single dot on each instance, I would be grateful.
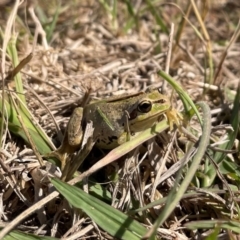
(74, 129)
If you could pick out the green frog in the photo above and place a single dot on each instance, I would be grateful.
(115, 120)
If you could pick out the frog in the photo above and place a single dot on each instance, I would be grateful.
(115, 120)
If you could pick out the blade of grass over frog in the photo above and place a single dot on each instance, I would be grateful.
(211, 224)
(182, 94)
(177, 192)
(219, 156)
(119, 151)
(108, 218)
(105, 119)
(125, 148)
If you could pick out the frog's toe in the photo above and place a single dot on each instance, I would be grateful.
(61, 157)
(174, 117)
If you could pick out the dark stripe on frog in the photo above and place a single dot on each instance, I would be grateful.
(107, 141)
(112, 139)
(125, 96)
(160, 101)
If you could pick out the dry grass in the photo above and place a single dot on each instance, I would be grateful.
(82, 44)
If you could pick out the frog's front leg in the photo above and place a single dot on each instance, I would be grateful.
(72, 137)
(74, 130)
(174, 117)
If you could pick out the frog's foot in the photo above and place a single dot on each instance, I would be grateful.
(62, 157)
(174, 117)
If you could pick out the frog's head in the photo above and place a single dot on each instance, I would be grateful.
(149, 108)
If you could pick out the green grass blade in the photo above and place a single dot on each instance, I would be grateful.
(50, 28)
(14, 235)
(130, 8)
(178, 191)
(15, 126)
(133, 19)
(41, 145)
(158, 19)
(108, 218)
(187, 101)
(220, 156)
(211, 224)
(12, 51)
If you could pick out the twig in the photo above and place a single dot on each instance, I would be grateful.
(169, 54)
(224, 55)
(39, 29)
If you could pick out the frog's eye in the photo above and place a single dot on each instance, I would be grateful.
(145, 106)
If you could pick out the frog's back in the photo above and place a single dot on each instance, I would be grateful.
(109, 119)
